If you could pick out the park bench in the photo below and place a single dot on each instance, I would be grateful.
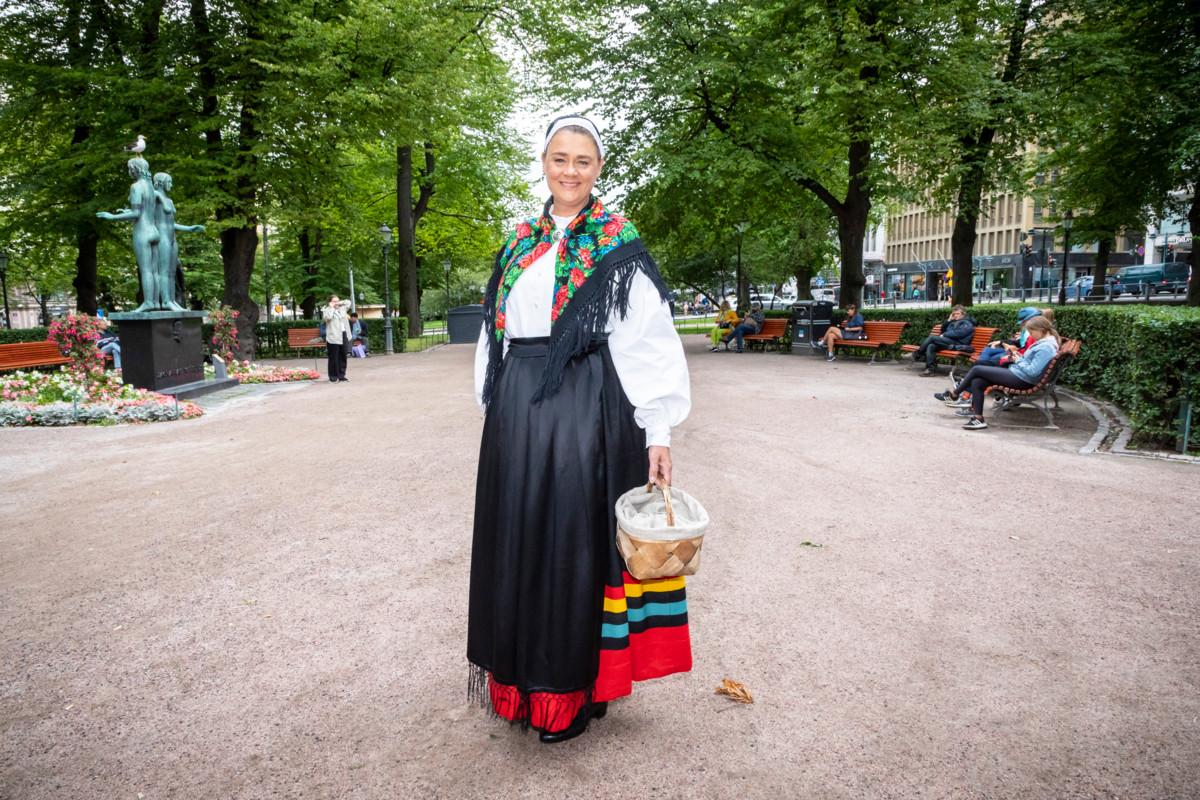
(23, 355)
(306, 339)
(772, 333)
(1045, 389)
(979, 340)
(878, 334)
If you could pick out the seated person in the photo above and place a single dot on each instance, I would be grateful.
(1024, 373)
(726, 319)
(358, 336)
(109, 343)
(851, 327)
(956, 335)
(996, 351)
(751, 323)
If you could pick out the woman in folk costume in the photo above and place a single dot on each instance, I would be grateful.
(582, 377)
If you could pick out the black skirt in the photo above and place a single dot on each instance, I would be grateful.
(544, 540)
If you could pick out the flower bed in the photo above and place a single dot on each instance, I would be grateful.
(247, 372)
(66, 398)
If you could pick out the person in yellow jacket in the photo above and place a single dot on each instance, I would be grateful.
(727, 318)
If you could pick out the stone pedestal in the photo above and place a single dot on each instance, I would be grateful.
(163, 351)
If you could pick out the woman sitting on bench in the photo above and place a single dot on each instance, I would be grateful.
(1023, 373)
(850, 328)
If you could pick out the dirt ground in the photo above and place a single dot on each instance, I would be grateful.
(270, 602)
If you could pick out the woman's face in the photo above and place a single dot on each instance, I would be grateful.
(572, 163)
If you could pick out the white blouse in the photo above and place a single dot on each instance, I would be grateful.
(645, 348)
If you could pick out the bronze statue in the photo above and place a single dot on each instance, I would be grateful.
(168, 248)
(153, 214)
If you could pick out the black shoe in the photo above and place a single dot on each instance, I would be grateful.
(945, 397)
(577, 727)
(343, 380)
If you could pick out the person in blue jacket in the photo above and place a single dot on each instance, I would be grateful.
(991, 355)
(956, 335)
(1024, 373)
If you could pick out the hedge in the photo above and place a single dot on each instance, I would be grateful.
(272, 336)
(1143, 358)
(17, 335)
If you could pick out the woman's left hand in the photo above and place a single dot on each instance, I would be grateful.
(660, 464)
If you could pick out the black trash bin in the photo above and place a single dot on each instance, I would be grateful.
(464, 324)
(802, 335)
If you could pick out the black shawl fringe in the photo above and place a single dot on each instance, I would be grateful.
(585, 317)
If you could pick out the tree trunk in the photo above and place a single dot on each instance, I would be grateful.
(86, 240)
(408, 216)
(1193, 294)
(966, 220)
(1101, 271)
(804, 276)
(238, 246)
(308, 305)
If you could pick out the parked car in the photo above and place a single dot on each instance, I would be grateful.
(771, 302)
(1168, 277)
(1082, 286)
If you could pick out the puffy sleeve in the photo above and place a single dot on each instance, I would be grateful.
(650, 364)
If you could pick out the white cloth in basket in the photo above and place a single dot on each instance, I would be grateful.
(644, 515)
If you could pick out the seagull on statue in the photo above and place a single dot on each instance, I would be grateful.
(136, 147)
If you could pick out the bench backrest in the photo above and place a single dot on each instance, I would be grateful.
(28, 354)
(1066, 353)
(773, 327)
(884, 332)
(981, 337)
(304, 337)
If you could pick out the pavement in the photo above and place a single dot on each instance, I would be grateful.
(270, 602)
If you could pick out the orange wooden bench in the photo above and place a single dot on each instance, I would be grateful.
(1045, 389)
(306, 339)
(23, 355)
(878, 334)
(773, 331)
(979, 340)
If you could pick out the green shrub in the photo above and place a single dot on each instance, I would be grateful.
(272, 336)
(1143, 358)
(17, 335)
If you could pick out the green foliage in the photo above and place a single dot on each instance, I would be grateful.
(1142, 358)
(16, 335)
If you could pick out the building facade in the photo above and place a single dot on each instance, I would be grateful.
(1016, 246)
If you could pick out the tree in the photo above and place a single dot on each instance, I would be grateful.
(1142, 58)
(821, 92)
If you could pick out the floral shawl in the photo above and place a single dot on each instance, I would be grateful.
(597, 256)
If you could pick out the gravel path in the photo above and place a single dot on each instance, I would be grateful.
(270, 602)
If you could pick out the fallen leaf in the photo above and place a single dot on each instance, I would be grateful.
(1015, 538)
(735, 691)
(807, 543)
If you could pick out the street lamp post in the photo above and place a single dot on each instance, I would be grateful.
(385, 236)
(1068, 221)
(4, 284)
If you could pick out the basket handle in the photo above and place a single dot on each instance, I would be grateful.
(665, 488)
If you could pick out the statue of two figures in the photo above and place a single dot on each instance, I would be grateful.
(153, 215)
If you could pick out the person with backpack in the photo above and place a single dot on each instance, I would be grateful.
(1024, 373)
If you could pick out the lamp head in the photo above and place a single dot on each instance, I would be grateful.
(385, 234)
(1068, 220)
(3, 261)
